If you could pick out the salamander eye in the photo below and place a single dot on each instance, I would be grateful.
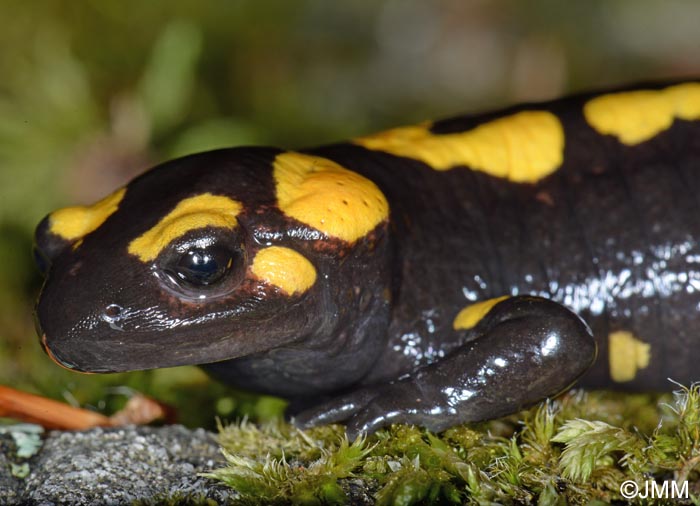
(200, 267)
(204, 266)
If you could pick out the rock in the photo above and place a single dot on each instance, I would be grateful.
(115, 466)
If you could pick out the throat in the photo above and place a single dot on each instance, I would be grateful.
(294, 372)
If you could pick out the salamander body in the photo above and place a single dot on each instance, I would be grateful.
(435, 274)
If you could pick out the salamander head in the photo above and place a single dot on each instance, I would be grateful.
(212, 257)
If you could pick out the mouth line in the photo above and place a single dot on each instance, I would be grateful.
(66, 365)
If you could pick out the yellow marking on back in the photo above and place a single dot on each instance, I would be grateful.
(472, 314)
(205, 210)
(637, 116)
(626, 355)
(320, 193)
(73, 223)
(524, 147)
(284, 268)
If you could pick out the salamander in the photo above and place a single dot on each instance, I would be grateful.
(435, 274)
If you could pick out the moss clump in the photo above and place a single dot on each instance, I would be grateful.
(259, 469)
(575, 450)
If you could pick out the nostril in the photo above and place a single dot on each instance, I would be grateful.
(112, 315)
(112, 312)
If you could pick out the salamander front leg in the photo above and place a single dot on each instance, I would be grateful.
(522, 351)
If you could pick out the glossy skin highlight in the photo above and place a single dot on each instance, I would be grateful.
(603, 243)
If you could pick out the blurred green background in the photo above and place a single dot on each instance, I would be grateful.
(94, 92)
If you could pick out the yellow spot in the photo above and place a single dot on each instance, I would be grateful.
(73, 223)
(637, 116)
(472, 314)
(524, 147)
(284, 268)
(627, 355)
(205, 210)
(320, 193)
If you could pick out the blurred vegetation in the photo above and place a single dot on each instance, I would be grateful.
(94, 92)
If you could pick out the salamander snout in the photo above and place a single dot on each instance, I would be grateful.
(47, 246)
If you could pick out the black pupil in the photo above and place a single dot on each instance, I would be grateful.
(200, 267)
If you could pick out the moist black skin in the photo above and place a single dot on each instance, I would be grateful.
(606, 243)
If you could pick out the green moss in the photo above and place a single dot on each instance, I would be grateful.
(258, 467)
(177, 499)
(575, 450)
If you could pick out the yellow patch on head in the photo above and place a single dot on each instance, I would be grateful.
(73, 223)
(524, 147)
(472, 314)
(320, 193)
(284, 268)
(637, 116)
(204, 210)
(626, 355)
